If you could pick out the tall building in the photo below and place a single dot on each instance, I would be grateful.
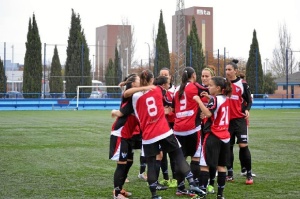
(204, 22)
(109, 37)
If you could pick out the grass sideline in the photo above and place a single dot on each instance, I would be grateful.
(64, 154)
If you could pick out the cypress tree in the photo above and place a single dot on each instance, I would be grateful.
(78, 65)
(254, 72)
(33, 71)
(110, 76)
(162, 56)
(2, 80)
(55, 81)
(194, 52)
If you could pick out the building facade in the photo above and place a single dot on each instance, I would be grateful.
(109, 37)
(204, 22)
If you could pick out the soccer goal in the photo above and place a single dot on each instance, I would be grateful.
(100, 92)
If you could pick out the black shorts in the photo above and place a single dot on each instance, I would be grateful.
(120, 149)
(238, 128)
(189, 144)
(216, 152)
(136, 141)
(167, 144)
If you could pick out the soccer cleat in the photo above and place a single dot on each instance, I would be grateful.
(124, 193)
(156, 197)
(172, 183)
(160, 187)
(197, 191)
(185, 192)
(142, 176)
(244, 173)
(249, 180)
(210, 189)
(229, 179)
(220, 197)
(120, 196)
(165, 182)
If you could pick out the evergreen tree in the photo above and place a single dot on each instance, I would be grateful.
(194, 52)
(78, 65)
(110, 77)
(162, 56)
(269, 84)
(254, 72)
(2, 80)
(55, 81)
(33, 70)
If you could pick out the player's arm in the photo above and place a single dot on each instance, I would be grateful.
(203, 108)
(131, 91)
(116, 113)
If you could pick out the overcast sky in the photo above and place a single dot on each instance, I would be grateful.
(234, 22)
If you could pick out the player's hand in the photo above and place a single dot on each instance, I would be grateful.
(247, 114)
(205, 94)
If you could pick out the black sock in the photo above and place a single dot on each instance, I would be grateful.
(247, 159)
(158, 162)
(204, 180)
(164, 166)
(230, 166)
(212, 175)
(142, 164)
(221, 182)
(195, 169)
(119, 178)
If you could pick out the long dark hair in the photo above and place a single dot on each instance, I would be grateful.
(186, 75)
(224, 84)
(128, 81)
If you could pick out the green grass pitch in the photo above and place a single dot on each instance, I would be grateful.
(64, 154)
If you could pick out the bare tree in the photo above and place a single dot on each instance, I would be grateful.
(279, 54)
(127, 41)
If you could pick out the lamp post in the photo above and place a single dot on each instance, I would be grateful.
(93, 67)
(149, 53)
(12, 70)
(126, 61)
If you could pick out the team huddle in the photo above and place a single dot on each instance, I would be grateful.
(200, 121)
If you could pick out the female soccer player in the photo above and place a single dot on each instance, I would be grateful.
(240, 105)
(187, 124)
(120, 139)
(216, 142)
(156, 133)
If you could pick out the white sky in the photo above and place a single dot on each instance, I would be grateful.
(234, 22)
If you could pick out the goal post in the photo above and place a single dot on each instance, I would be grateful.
(103, 89)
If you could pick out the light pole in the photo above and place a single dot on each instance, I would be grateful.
(93, 67)
(12, 70)
(149, 53)
(126, 61)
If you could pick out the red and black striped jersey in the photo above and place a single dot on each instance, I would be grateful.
(126, 125)
(240, 99)
(218, 123)
(187, 111)
(149, 109)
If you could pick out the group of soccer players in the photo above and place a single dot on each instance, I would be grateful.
(196, 120)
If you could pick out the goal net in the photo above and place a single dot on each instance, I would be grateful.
(98, 92)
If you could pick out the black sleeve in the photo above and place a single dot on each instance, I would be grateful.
(247, 96)
(126, 107)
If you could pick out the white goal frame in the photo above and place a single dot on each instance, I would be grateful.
(79, 87)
